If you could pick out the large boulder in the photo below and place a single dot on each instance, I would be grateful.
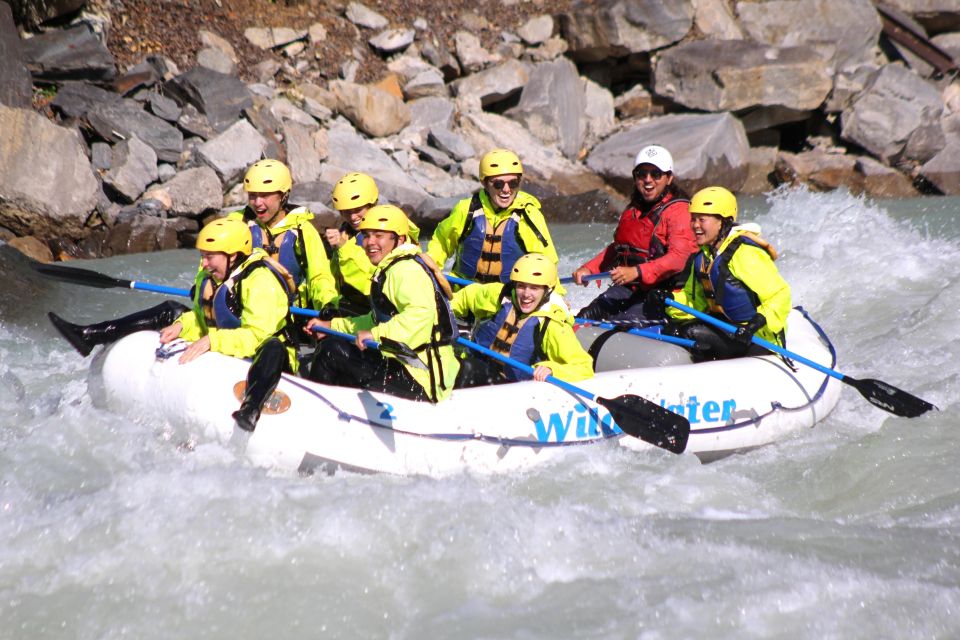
(616, 28)
(943, 170)
(16, 85)
(896, 116)
(845, 33)
(552, 104)
(374, 111)
(725, 75)
(69, 54)
(219, 96)
(707, 150)
(123, 119)
(47, 186)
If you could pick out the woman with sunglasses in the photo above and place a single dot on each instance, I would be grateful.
(489, 231)
(651, 247)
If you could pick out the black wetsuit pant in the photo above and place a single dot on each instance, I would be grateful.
(712, 343)
(339, 362)
(477, 371)
(620, 303)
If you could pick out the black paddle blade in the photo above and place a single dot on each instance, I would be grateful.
(83, 277)
(889, 398)
(648, 421)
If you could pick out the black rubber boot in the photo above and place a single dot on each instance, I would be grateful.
(262, 379)
(85, 337)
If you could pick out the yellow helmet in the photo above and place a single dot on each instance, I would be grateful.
(386, 217)
(535, 268)
(225, 235)
(267, 176)
(714, 201)
(353, 191)
(499, 162)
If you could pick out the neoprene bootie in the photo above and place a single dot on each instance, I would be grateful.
(262, 379)
(85, 337)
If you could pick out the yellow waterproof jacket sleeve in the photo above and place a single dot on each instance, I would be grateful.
(352, 266)
(481, 301)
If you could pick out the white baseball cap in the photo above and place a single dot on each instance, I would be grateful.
(655, 155)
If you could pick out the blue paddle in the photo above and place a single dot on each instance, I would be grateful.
(878, 393)
(634, 415)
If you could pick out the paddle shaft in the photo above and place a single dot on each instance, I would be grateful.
(766, 344)
(464, 282)
(644, 333)
(879, 393)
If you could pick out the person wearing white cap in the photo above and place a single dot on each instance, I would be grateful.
(652, 245)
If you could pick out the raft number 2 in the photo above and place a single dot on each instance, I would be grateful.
(591, 423)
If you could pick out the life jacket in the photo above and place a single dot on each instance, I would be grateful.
(488, 255)
(441, 334)
(351, 298)
(726, 295)
(633, 248)
(522, 341)
(223, 305)
(286, 246)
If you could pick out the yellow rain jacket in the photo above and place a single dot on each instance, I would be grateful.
(352, 269)
(752, 267)
(560, 347)
(411, 291)
(450, 239)
(263, 310)
(307, 257)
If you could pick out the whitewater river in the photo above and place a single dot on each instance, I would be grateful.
(111, 528)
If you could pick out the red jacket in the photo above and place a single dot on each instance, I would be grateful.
(637, 229)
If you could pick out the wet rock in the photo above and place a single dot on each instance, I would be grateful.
(191, 192)
(373, 111)
(47, 186)
(707, 149)
(133, 167)
(32, 248)
(69, 54)
(616, 28)
(220, 97)
(551, 106)
(943, 170)
(231, 152)
(142, 233)
(124, 119)
(16, 84)
(493, 85)
(845, 33)
(896, 107)
(728, 76)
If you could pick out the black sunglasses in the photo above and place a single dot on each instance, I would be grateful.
(656, 174)
(500, 184)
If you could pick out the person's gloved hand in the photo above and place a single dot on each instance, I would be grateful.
(744, 334)
(329, 312)
(657, 299)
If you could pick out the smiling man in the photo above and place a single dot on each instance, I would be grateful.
(489, 231)
(409, 305)
(523, 320)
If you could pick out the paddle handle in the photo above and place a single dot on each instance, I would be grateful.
(516, 364)
(758, 341)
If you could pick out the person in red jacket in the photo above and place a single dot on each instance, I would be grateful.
(651, 248)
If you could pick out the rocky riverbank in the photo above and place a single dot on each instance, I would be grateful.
(127, 124)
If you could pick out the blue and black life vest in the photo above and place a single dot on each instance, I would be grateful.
(520, 339)
(286, 247)
(726, 294)
(223, 304)
(488, 255)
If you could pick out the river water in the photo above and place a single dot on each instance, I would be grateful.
(111, 528)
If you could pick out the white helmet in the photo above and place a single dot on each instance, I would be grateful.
(655, 155)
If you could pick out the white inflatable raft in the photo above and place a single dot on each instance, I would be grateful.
(732, 405)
